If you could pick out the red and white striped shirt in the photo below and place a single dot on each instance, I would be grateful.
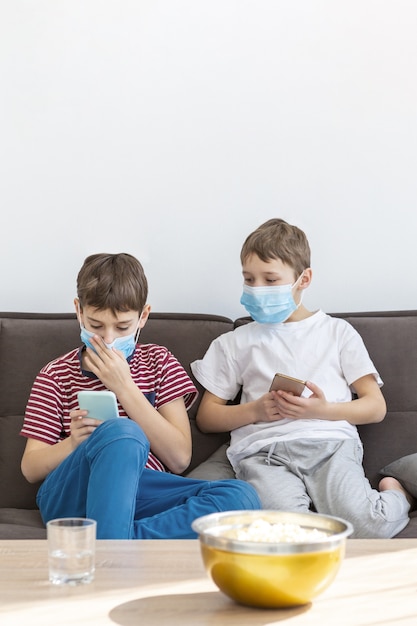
(156, 372)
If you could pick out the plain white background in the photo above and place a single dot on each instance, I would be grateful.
(170, 129)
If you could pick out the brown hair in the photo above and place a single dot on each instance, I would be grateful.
(112, 281)
(276, 239)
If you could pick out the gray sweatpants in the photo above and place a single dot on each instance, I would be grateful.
(326, 476)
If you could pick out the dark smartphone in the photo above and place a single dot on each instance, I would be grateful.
(287, 383)
(101, 405)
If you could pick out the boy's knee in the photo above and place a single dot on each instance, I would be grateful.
(121, 427)
(241, 495)
(375, 531)
(118, 430)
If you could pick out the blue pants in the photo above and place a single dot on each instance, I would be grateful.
(105, 479)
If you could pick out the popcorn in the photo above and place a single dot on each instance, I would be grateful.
(261, 530)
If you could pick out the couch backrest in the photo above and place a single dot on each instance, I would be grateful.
(30, 340)
(27, 342)
(391, 340)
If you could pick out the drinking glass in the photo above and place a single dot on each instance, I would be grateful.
(71, 550)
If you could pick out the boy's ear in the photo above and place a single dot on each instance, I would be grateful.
(144, 315)
(306, 279)
(77, 308)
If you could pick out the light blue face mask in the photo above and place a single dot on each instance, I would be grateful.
(125, 344)
(270, 305)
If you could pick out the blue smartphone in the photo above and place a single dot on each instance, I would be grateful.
(101, 405)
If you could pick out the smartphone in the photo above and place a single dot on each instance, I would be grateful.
(287, 383)
(101, 405)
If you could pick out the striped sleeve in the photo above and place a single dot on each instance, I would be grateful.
(158, 371)
(43, 411)
(176, 384)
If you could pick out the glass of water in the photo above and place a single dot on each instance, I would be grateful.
(71, 550)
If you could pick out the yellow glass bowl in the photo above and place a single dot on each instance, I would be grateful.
(271, 575)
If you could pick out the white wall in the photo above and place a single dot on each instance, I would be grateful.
(170, 129)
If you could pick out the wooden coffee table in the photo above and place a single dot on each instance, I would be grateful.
(163, 583)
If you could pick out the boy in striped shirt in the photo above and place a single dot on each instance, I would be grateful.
(121, 472)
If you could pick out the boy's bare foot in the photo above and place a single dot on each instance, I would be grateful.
(392, 483)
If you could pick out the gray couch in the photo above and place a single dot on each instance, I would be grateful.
(30, 340)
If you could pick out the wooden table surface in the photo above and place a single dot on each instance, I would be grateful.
(163, 583)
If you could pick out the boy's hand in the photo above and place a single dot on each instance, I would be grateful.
(293, 407)
(267, 408)
(81, 426)
(108, 364)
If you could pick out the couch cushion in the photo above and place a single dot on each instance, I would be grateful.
(404, 470)
(387, 441)
(28, 517)
(187, 336)
(21, 524)
(27, 342)
(410, 531)
(387, 337)
(15, 491)
(216, 467)
(204, 445)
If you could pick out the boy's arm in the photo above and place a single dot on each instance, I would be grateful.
(215, 415)
(40, 458)
(168, 431)
(369, 407)
(168, 428)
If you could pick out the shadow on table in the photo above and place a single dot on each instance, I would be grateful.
(189, 609)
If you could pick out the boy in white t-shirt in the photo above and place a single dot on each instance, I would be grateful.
(300, 453)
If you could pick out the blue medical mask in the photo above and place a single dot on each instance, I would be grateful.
(270, 305)
(125, 344)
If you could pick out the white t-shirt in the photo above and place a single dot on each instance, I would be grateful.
(325, 350)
